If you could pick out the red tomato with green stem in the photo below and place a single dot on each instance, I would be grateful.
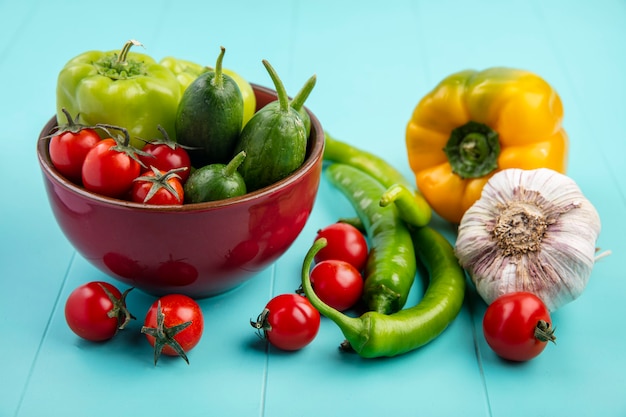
(68, 147)
(173, 326)
(111, 166)
(158, 187)
(345, 243)
(288, 322)
(337, 283)
(517, 326)
(166, 154)
(96, 310)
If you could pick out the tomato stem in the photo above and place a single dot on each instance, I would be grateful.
(70, 121)
(164, 336)
(262, 324)
(119, 309)
(72, 126)
(123, 142)
(166, 140)
(544, 332)
(160, 180)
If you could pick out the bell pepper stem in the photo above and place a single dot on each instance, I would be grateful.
(121, 59)
(473, 150)
(354, 329)
(283, 99)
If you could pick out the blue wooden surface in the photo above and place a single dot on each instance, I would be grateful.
(374, 60)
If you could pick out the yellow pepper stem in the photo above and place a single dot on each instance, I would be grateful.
(473, 150)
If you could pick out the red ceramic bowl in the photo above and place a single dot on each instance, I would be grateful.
(195, 249)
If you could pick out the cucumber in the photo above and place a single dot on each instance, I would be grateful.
(215, 182)
(275, 139)
(210, 116)
(297, 103)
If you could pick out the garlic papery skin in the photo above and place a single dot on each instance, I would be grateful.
(531, 230)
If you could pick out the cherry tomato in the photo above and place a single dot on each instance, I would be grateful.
(68, 149)
(173, 326)
(158, 187)
(337, 283)
(345, 243)
(517, 326)
(165, 154)
(110, 168)
(289, 322)
(96, 311)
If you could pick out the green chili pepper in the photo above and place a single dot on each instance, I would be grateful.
(377, 335)
(411, 205)
(338, 151)
(121, 88)
(413, 210)
(391, 267)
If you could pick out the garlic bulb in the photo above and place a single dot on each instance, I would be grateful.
(531, 230)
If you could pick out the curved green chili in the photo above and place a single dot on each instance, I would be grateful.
(412, 206)
(391, 267)
(413, 210)
(377, 335)
(341, 152)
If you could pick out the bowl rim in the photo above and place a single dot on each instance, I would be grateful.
(315, 151)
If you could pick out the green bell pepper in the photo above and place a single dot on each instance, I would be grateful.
(187, 71)
(122, 88)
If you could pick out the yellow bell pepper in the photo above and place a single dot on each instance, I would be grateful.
(473, 124)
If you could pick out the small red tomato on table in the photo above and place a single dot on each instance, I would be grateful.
(517, 326)
(96, 310)
(173, 325)
(288, 322)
